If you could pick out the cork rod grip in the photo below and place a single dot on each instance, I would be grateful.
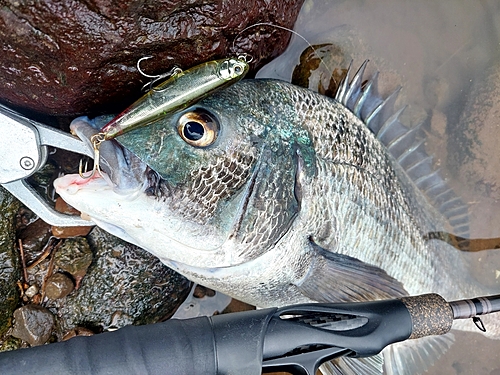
(430, 315)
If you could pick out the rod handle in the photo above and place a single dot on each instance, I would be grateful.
(430, 315)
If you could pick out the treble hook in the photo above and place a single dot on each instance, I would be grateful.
(175, 70)
(96, 140)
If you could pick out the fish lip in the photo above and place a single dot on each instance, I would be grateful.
(125, 171)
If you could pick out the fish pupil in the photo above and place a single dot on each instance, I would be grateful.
(193, 131)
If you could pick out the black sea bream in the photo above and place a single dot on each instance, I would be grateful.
(275, 195)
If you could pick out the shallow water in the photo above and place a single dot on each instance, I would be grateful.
(445, 55)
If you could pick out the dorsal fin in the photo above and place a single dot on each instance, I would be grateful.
(405, 144)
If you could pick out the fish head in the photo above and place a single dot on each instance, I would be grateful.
(214, 185)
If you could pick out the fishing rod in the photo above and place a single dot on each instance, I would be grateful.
(297, 339)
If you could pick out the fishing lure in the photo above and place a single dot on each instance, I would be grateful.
(181, 90)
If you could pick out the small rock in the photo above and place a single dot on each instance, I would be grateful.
(201, 291)
(37, 299)
(34, 238)
(77, 331)
(58, 286)
(24, 218)
(31, 291)
(33, 324)
(313, 71)
(68, 232)
(64, 208)
(237, 306)
(74, 257)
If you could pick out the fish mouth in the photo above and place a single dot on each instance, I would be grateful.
(124, 171)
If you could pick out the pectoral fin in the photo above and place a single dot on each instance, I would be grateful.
(336, 277)
(415, 356)
(354, 366)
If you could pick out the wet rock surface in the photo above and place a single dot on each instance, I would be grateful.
(9, 260)
(33, 324)
(320, 68)
(79, 57)
(80, 286)
(123, 285)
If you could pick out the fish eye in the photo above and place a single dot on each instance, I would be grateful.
(198, 128)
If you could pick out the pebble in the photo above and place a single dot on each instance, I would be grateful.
(68, 232)
(34, 238)
(201, 291)
(77, 331)
(58, 286)
(31, 291)
(33, 324)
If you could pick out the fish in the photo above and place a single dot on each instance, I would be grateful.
(276, 195)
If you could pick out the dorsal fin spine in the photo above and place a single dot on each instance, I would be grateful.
(410, 151)
(418, 164)
(340, 96)
(354, 90)
(407, 145)
(376, 119)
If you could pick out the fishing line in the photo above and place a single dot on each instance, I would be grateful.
(286, 29)
(248, 58)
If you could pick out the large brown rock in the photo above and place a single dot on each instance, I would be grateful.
(78, 56)
(34, 324)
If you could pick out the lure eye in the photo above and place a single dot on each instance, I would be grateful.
(198, 128)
